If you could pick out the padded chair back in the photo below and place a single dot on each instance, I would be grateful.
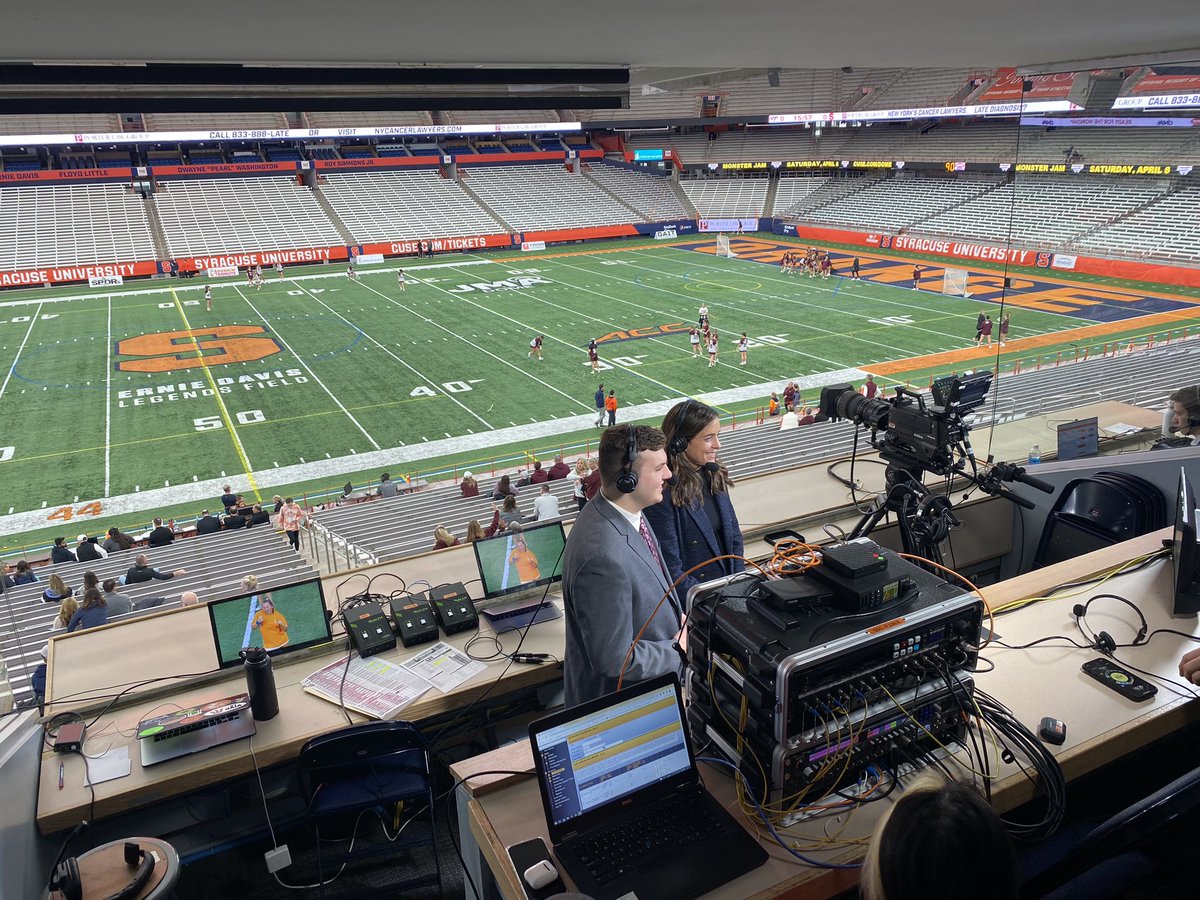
(359, 748)
(1133, 827)
(1097, 512)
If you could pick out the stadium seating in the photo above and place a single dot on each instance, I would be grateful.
(1042, 211)
(74, 123)
(794, 189)
(224, 121)
(219, 215)
(895, 203)
(545, 196)
(42, 225)
(501, 116)
(717, 197)
(393, 205)
(215, 565)
(1169, 228)
(327, 119)
(651, 195)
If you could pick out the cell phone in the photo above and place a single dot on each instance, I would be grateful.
(1124, 682)
(524, 855)
(786, 535)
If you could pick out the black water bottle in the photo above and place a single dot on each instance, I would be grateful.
(260, 683)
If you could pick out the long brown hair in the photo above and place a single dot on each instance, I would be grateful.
(682, 423)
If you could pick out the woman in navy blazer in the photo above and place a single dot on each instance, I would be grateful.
(695, 521)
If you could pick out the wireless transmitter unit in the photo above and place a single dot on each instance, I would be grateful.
(414, 620)
(369, 629)
(454, 608)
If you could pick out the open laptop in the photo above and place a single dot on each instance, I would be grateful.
(625, 807)
(187, 731)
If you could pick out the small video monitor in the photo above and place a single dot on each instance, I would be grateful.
(280, 620)
(1185, 549)
(519, 561)
(1079, 439)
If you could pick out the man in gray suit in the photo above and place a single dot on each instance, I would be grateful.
(614, 582)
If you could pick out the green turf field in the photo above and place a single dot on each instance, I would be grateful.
(106, 396)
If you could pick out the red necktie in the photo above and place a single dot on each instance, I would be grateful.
(645, 530)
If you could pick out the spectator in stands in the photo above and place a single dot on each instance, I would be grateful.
(591, 484)
(559, 470)
(91, 613)
(806, 416)
(442, 538)
(229, 499)
(56, 589)
(469, 487)
(931, 842)
(141, 571)
(117, 540)
(291, 517)
(789, 420)
(1185, 412)
(694, 521)
(386, 488)
(522, 478)
(256, 515)
(475, 531)
(189, 598)
(538, 475)
(545, 505)
(87, 550)
(161, 535)
(789, 396)
(60, 552)
(23, 573)
(773, 405)
(66, 611)
(504, 487)
(208, 524)
(509, 512)
(870, 388)
(233, 519)
(90, 580)
(278, 501)
(118, 604)
(577, 477)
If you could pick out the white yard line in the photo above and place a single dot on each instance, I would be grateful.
(275, 333)
(32, 321)
(397, 358)
(498, 359)
(108, 400)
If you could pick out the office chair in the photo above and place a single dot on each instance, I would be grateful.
(370, 767)
(1110, 857)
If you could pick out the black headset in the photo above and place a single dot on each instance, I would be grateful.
(67, 881)
(1102, 640)
(1193, 408)
(627, 479)
(678, 442)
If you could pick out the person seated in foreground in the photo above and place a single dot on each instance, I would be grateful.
(87, 550)
(545, 505)
(258, 516)
(469, 486)
(442, 538)
(503, 488)
(91, 613)
(538, 475)
(117, 540)
(1185, 413)
(118, 604)
(23, 574)
(509, 512)
(60, 552)
(141, 571)
(476, 532)
(66, 610)
(189, 598)
(939, 839)
(56, 589)
(208, 524)
(386, 487)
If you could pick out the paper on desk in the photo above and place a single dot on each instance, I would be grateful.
(1121, 429)
(374, 687)
(444, 667)
(113, 764)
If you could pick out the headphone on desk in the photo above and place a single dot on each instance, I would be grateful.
(67, 881)
(627, 479)
(1102, 640)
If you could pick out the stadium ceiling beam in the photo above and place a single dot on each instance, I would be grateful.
(31, 88)
(1129, 61)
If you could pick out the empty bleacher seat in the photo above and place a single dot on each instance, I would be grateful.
(385, 206)
(544, 196)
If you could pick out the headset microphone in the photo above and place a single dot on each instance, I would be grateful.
(711, 467)
(1105, 642)
(1079, 610)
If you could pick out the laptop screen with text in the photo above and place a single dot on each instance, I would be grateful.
(587, 762)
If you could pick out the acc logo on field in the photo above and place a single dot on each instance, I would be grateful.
(174, 351)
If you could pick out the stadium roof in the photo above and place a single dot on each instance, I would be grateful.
(679, 33)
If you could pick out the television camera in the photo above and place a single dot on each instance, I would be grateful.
(914, 435)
